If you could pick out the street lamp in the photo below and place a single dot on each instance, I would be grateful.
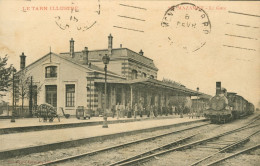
(105, 60)
(198, 99)
(13, 112)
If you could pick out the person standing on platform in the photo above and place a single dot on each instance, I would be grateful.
(117, 110)
(148, 110)
(178, 109)
(159, 110)
(129, 110)
(122, 111)
(181, 111)
(151, 111)
(170, 109)
(163, 110)
(141, 109)
(155, 110)
(173, 109)
(113, 111)
(135, 110)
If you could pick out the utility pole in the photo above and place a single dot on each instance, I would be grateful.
(198, 111)
(13, 110)
(105, 59)
(30, 97)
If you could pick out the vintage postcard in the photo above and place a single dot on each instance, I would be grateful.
(145, 82)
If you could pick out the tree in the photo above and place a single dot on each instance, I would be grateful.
(23, 84)
(5, 75)
(26, 88)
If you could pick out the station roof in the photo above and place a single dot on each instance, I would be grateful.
(204, 96)
(153, 82)
(117, 53)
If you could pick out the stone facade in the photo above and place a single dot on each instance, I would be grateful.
(73, 79)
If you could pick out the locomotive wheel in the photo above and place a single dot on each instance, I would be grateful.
(213, 119)
(234, 116)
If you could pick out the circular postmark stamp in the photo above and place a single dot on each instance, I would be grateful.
(188, 26)
(81, 17)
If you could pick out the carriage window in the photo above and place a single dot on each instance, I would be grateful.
(70, 95)
(51, 71)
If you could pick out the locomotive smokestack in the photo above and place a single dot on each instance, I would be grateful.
(218, 88)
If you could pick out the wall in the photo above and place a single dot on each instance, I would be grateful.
(67, 73)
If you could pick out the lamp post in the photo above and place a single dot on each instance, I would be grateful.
(13, 111)
(198, 99)
(105, 60)
(30, 97)
(89, 89)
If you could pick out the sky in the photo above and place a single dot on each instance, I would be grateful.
(228, 53)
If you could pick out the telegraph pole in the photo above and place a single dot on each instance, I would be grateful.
(30, 99)
(13, 112)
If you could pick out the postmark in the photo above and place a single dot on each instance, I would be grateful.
(188, 26)
(80, 19)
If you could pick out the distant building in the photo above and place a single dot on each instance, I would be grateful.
(73, 79)
(200, 102)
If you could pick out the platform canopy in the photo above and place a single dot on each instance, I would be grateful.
(153, 83)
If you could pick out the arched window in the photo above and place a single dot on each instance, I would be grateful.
(144, 75)
(50, 71)
(134, 74)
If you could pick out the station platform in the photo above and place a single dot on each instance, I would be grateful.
(33, 124)
(22, 143)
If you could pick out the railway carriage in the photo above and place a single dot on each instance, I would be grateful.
(226, 106)
(251, 108)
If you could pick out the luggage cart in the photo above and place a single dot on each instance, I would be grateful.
(81, 112)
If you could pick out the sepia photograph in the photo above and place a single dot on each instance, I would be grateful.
(122, 83)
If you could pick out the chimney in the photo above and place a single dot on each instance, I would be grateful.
(22, 61)
(141, 52)
(110, 44)
(72, 47)
(218, 88)
(85, 55)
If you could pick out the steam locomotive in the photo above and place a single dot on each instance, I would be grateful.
(227, 106)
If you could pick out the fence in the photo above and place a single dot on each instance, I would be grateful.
(6, 110)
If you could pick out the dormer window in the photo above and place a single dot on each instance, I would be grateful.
(50, 71)
(134, 74)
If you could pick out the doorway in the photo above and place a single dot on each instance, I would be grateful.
(51, 95)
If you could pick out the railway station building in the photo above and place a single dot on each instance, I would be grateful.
(76, 78)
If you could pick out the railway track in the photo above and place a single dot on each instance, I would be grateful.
(125, 145)
(228, 148)
(234, 155)
(151, 153)
(144, 157)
